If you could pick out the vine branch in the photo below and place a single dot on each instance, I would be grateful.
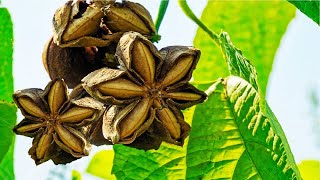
(162, 10)
(186, 9)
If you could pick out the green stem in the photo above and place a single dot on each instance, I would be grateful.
(162, 10)
(186, 9)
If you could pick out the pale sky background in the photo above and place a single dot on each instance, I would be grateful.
(296, 70)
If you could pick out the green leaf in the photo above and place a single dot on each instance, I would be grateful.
(6, 51)
(311, 8)
(310, 169)
(255, 27)
(101, 165)
(7, 110)
(237, 63)
(6, 165)
(168, 162)
(7, 121)
(240, 140)
(76, 175)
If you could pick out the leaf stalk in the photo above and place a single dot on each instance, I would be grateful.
(162, 10)
(186, 9)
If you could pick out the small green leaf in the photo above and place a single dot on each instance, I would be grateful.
(101, 165)
(240, 140)
(237, 63)
(254, 26)
(310, 169)
(76, 175)
(311, 8)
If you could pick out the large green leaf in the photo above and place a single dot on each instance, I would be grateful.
(240, 66)
(240, 140)
(7, 110)
(251, 101)
(311, 8)
(255, 26)
(6, 51)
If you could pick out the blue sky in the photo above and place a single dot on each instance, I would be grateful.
(296, 70)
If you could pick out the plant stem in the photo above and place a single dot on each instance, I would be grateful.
(162, 10)
(186, 9)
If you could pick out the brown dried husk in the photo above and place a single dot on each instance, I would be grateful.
(83, 25)
(40, 99)
(76, 26)
(136, 14)
(71, 64)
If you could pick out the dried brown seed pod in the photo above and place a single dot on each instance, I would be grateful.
(73, 63)
(76, 24)
(153, 85)
(100, 23)
(86, 35)
(55, 122)
(129, 16)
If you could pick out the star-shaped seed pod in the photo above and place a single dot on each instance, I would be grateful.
(99, 23)
(55, 122)
(150, 88)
